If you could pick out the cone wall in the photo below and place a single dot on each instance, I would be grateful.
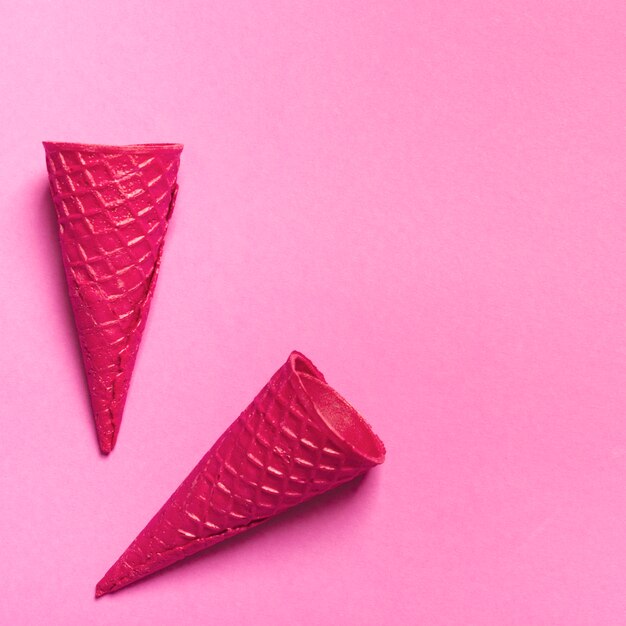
(297, 439)
(113, 204)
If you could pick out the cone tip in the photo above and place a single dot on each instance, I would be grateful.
(106, 441)
(117, 577)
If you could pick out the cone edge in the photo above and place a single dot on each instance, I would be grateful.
(52, 146)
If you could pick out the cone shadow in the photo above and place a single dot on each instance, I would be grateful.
(335, 499)
(47, 215)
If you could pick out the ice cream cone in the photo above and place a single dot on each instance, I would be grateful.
(297, 439)
(113, 204)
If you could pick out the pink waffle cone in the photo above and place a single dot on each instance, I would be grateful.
(113, 204)
(298, 438)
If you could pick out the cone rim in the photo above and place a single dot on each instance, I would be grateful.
(296, 372)
(296, 359)
(95, 147)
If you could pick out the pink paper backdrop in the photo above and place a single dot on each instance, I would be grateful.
(427, 198)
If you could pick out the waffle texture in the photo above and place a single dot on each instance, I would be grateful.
(297, 439)
(113, 204)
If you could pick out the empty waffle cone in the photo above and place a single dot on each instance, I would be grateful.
(113, 204)
(298, 438)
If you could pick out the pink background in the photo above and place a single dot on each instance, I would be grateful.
(427, 198)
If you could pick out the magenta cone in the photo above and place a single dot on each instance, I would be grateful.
(298, 438)
(113, 204)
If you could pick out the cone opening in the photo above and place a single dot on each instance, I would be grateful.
(340, 417)
(88, 147)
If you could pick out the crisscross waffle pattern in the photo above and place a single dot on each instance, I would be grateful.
(277, 454)
(113, 207)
